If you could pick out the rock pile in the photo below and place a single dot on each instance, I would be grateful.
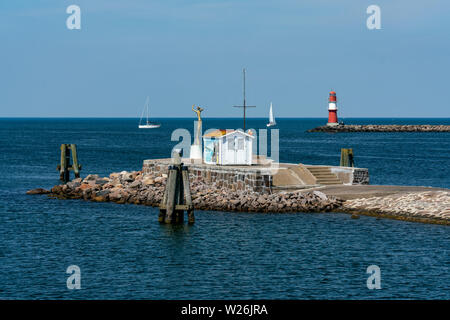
(382, 128)
(430, 205)
(136, 188)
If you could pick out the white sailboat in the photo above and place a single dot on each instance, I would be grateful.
(271, 117)
(148, 124)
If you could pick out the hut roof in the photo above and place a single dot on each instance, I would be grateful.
(223, 133)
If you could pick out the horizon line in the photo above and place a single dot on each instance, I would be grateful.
(238, 118)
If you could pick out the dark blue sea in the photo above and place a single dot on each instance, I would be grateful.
(124, 253)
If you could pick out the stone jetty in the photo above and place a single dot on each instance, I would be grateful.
(419, 204)
(382, 128)
(429, 206)
(136, 188)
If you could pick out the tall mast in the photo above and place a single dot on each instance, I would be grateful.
(244, 97)
(148, 102)
(244, 106)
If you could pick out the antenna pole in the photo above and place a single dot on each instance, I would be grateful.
(244, 98)
(244, 106)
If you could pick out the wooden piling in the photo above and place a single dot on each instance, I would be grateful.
(75, 166)
(177, 196)
(187, 193)
(171, 200)
(65, 166)
(347, 158)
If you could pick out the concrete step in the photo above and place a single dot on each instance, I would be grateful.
(320, 172)
(318, 169)
(324, 176)
(330, 183)
(334, 178)
(328, 180)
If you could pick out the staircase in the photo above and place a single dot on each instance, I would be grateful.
(323, 175)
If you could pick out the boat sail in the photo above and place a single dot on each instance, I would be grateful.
(148, 124)
(271, 117)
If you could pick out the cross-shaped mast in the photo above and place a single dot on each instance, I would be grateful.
(244, 106)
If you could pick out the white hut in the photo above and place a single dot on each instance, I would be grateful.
(228, 147)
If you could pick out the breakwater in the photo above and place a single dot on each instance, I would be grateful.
(137, 188)
(144, 189)
(429, 206)
(382, 128)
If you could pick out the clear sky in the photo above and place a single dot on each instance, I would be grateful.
(182, 52)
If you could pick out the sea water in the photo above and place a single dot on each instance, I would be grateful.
(124, 253)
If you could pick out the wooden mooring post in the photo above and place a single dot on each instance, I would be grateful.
(347, 158)
(65, 166)
(177, 195)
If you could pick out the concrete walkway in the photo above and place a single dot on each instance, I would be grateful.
(368, 191)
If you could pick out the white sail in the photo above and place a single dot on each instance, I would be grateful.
(271, 117)
(148, 124)
(271, 113)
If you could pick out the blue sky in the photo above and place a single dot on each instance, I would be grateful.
(185, 52)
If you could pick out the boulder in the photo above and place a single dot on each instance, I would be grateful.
(159, 180)
(85, 186)
(114, 175)
(261, 200)
(115, 194)
(102, 181)
(103, 192)
(128, 177)
(73, 184)
(56, 189)
(91, 177)
(134, 174)
(135, 184)
(38, 191)
(99, 199)
(148, 181)
(321, 195)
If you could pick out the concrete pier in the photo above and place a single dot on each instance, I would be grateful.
(265, 176)
(421, 204)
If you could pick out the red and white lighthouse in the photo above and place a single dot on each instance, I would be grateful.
(332, 110)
